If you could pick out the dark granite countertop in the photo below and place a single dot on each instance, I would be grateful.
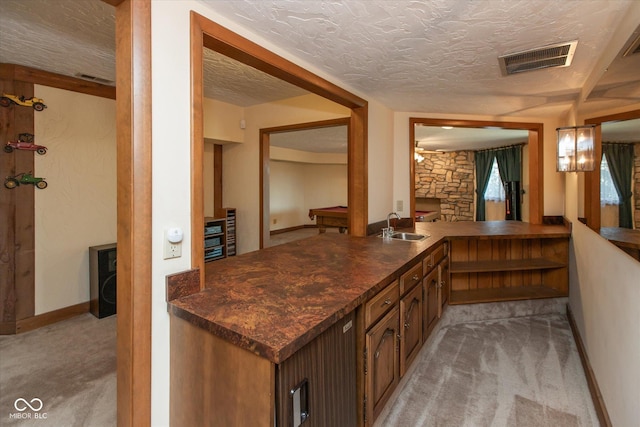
(274, 301)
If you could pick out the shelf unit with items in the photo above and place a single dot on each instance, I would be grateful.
(230, 215)
(215, 230)
(505, 269)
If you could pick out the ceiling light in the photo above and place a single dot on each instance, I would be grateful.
(447, 127)
(576, 151)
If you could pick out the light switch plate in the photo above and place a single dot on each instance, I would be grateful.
(399, 206)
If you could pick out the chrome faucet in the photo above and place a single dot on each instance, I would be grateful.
(389, 229)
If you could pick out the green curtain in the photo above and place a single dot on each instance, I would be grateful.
(509, 163)
(484, 162)
(620, 160)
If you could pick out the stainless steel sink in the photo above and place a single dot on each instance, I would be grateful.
(410, 237)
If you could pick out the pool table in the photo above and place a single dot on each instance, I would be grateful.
(334, 216)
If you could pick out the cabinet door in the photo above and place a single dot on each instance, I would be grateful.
(431, 303)
(382, 370)
(411, 327)
(316, 386)
(444, 286)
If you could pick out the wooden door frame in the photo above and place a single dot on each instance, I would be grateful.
(265, 149)
(134, 211)
(536, 158)
(206, 33)
(592, 179)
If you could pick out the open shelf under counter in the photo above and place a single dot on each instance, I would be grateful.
(504, 265)
(503, 294)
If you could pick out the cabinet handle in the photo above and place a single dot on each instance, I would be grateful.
(414, 302)
(415, 277)
(441, 284)
(388, 332)
(386, 302)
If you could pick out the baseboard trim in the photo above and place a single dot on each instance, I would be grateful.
(596, 396)
(286, 230)
(44, 319)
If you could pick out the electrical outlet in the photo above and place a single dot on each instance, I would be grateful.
(171, 250)
(275, 220)
(399, 206)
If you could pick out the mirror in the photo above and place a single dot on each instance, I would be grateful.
(602, 205)
(429, 201)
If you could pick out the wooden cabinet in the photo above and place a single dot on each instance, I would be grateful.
(431, 305)
(502, 269)
(411, 327)
(444, 279)
(316, 386)
(382, 363)
(229, 214)
(216, 383)
(215, 232)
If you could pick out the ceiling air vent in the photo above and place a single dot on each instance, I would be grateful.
(556, 55)
(95, 79)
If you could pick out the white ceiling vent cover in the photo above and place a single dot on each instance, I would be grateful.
(555, 55)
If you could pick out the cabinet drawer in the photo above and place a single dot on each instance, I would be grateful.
(439, 253)
(433, 258)
(411, 278)
(381, 303)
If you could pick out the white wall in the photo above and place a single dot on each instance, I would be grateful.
(381, 163)
(604, 296)
(298, 187)
(553, 182)
(78, 208)
(286, 195)
(221, 121)
(325, 185)
(171, 151)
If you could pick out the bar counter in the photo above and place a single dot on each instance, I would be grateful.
(274, 301)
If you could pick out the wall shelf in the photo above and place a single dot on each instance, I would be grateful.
(504, 265)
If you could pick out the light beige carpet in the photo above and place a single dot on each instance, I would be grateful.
(69, 366)
(521, 372)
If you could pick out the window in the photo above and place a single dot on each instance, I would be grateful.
(495, 189)
(608, 192)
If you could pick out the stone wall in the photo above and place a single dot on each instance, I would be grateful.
(450, 178)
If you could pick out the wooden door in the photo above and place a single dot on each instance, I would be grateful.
(411, 327)
(382, 370)
(431, 303)
(443, 270)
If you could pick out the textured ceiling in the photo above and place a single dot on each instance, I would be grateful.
(62, 36)
(437, 56)
(322, 140)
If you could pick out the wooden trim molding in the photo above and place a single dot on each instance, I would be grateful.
(592, 179)
(206, 33)
(45, 78)
(133, 136)
(596, 395)
(265, 159)
(51, 317)
(536, 157)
